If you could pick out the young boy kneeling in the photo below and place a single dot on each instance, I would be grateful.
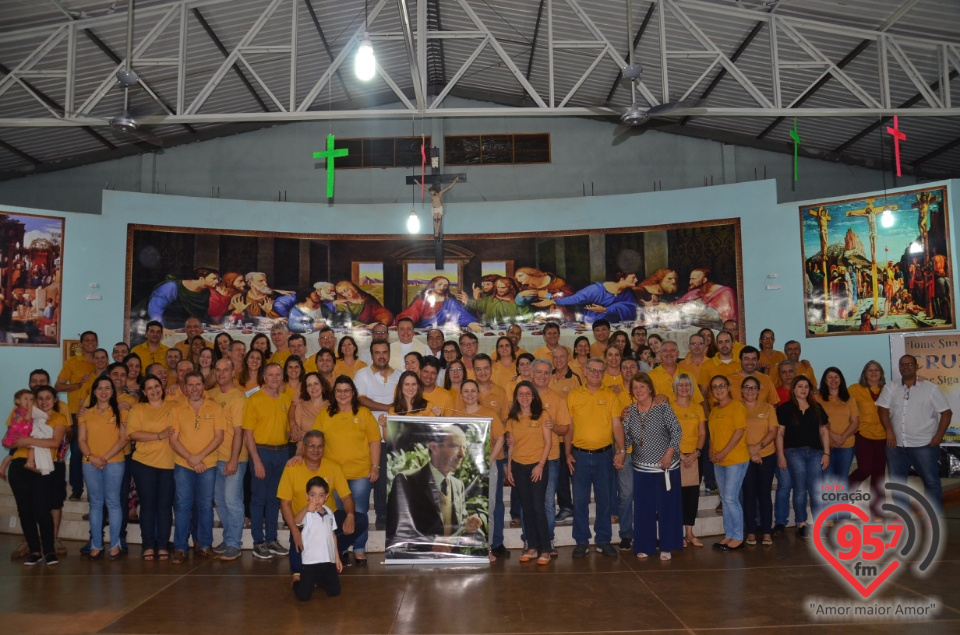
(317, 544)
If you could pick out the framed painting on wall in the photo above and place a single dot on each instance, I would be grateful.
(31, 264)
(879, 264)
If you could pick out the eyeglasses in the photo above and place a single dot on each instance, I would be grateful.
(719, 387)
(595, 371)
(314, 446)
(751, 387)
(343, 391)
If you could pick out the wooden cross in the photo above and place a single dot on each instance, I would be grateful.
(870, 213)
(330, 154)
(897, 138)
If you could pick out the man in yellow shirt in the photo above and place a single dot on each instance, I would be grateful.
(173, 357)
(514, 333)
(723, 363)
(469, 345)
(551, 341)
(563, 380)
(292, 494)
(192, 327)
(664, 374)
(601, 336)
(696, 356)
(236, 352)
(266, 433)
(198, 431)
(152, 351)
(491, 395)
(803, 366)
(556, 406)
(76, 372)
(436, 396)
(298, 347)
(281, 347)
(595, 448)
(750, 367)
(232, 459)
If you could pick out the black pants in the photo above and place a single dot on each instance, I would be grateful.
(531, 496)
(33, 493)
(690, 500)
(757, 491)
(323, 575)
(564, 496)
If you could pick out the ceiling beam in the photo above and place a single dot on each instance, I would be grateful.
(223, 50)
(435, 6)
(20, 153)
(407, 31)
(636, 43)
(935, 153)
(533, 45)
(917, 98)
(53, 104)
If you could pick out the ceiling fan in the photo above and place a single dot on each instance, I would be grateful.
(125, 124)
(633, 118)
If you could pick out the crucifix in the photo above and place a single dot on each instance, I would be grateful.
(897, 138)
(823, 217)
(330, 154)
(436, 181)
(795, 135)
(870, 213)
(924, 201)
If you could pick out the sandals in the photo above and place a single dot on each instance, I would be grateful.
(692, 541)
(544, 558)
(163, 555)
(665, 555)
(751, 540)
(642, 556)
(528, 556)
(767, 540)
(148, 555)
(95, 554)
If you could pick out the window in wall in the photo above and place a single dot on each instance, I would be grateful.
(497, 149)
(381, 152)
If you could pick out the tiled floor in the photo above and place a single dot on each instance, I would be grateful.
(759, 590)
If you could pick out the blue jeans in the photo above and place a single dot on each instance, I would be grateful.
(155, 487)
(228, 494)
(264, 504)
(781, 508)
(592, 470)
(498, 508)
(194, 497)
(839, 471)
(926, 461)
(360, 492)
(807, 475)
(625, 499)
(103, 488)
(730, 481)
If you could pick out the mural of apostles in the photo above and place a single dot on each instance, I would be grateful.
(478, 288)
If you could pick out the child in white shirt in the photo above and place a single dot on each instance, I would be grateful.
(317, 544)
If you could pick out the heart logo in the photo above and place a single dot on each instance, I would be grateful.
(864, 591)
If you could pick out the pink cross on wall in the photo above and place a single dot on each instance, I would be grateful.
(897, 138)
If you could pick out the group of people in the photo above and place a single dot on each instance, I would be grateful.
(620, 419)
(529, 293)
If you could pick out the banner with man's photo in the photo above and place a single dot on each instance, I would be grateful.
(438, 479)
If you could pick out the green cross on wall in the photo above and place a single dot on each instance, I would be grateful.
(330, 154)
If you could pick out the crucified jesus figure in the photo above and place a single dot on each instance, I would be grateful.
(436, 196)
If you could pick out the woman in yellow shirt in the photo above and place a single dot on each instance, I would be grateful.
(581, 354)
(250, 377)
(530, 438)
(769, 358)
(728, 451)
(292, 378)
(693, 428)
(149, 426)
(612, 378)
(353, 441)
(32, 490)
(314, 398)
(844, 416)
(761, 438)
(870, 446)
(205, 362)
(504, 364)
(102, 436)
(347, 362)
(454, 377)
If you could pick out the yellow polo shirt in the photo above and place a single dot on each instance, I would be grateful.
(768, 392)
(724, 421)
(439, 397)
(232, 404)
(663, 384)
(592, 414)
(196, 429)
(267, 417)
(555, 405)
(72, 372)
(713, 367)
(145, 418)
(690, 419)
(293, 484)
(147, 357)
(348, 437)
(870, 426)
(761, 420)
(103, 432)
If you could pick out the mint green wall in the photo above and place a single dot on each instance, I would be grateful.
(95, 251)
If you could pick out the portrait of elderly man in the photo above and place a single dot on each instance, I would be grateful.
(429, 503)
